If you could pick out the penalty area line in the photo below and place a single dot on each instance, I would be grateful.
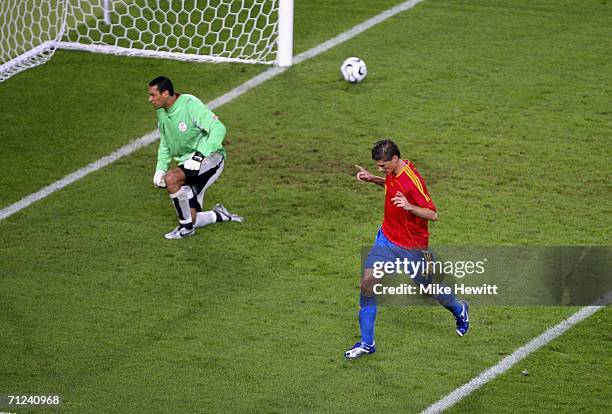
(518, 355)
(215, 103)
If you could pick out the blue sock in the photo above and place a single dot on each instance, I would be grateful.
(449, 301)
(367, 316)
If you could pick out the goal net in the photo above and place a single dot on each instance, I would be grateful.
(246, 31)
(29, 32)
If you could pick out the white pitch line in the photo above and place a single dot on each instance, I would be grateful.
(78, 174)
(518, 355)
(228, 97)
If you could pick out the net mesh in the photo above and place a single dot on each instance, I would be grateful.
(29, 30)
(201, 30)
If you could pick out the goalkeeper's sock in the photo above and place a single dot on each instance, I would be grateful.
(218, 214)
(180, 200)
(205, 218)
(367, 316)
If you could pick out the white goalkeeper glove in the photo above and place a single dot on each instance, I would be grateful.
(159, 179)
(194, 162)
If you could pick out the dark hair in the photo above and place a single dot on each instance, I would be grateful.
(163, 84)
(384, 150)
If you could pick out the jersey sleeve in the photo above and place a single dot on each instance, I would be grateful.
(421, 197)
(163, 153)
(214, 129)
(417, 191)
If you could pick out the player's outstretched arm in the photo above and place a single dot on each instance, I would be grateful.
(366, 176)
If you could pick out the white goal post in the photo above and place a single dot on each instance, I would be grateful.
(246, 31)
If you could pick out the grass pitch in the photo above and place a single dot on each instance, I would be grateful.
(504, 108)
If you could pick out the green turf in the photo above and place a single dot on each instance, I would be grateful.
(504, 108)
(555, 379)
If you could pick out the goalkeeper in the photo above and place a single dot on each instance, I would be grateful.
(192, 135)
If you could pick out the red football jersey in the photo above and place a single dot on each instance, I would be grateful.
(400, 226)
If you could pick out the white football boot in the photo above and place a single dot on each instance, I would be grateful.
(221, 210)
(180, 232)
(360, 349)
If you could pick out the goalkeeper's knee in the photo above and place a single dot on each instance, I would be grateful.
(175, 179)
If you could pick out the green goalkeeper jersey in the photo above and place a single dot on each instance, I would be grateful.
(188, 126)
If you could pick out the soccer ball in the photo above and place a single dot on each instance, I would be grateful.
(354, 70)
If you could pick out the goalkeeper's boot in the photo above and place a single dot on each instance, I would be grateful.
(463, 320)
(360, 349)
(180, 232)
(226, 215)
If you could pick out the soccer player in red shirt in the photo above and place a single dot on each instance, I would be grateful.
(404, 235)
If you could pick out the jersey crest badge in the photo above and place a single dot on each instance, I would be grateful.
(182, 126)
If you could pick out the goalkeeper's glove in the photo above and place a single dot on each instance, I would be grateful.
(159, 179)
(194, 162)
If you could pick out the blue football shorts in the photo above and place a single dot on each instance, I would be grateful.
(384, 251)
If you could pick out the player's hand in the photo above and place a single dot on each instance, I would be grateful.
(400, 201)
(363, 174)
(159, 179)
(194, 162)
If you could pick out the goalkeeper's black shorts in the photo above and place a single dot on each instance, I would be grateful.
(199, 181)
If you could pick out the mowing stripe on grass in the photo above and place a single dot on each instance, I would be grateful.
(228, 97)
(505, 364)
